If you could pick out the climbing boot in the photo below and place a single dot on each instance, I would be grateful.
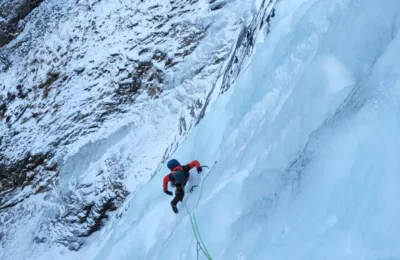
(174, 208)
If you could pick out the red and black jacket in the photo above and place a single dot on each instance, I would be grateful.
(185, 169)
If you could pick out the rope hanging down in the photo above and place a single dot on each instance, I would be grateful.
(200, 243)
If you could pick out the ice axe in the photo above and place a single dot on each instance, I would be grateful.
(194, 186)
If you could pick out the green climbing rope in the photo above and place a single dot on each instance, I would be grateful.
(202, 245)
(193, 221)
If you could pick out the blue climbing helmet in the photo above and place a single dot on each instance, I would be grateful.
(172, 164)
(179, 177)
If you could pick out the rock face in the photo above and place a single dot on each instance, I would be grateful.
(246, 42)
(11, 13)
(95, 96)
(14, 177)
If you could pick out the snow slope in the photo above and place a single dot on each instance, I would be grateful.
(306, 144)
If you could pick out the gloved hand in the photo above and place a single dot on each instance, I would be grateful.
(168, 192)
(199, 170)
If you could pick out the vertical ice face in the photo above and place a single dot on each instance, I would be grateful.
(307, 149)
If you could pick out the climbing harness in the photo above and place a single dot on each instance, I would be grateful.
(200, 243)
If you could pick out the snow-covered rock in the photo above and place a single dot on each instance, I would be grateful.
(12, 13)
(95, 95)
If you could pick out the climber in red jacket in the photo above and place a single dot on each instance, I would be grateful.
(179, 176)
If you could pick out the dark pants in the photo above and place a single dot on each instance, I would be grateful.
(179, 194)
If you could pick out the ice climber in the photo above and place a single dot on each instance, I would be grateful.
(178, 177)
